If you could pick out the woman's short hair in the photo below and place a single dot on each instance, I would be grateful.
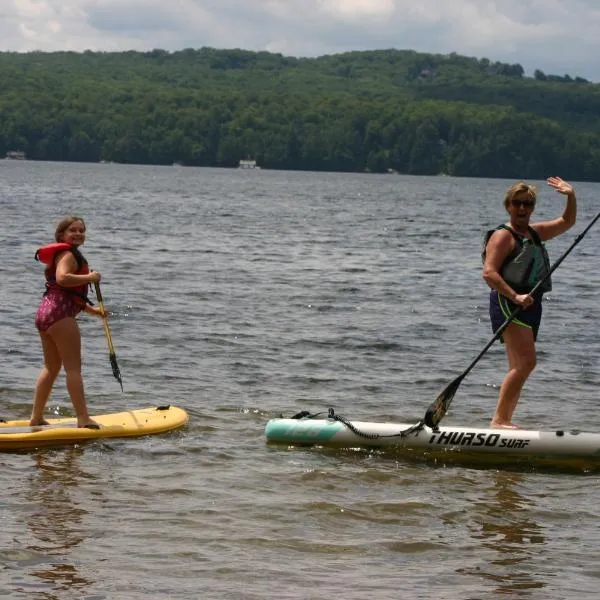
(518, 188)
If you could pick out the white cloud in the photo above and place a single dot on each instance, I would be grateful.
(357, 9)
(557, 36)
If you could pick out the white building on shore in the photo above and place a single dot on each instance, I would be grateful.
(15, 155)
(248, 164)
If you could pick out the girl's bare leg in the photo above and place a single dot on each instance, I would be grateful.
(46, 378)
(67, 338)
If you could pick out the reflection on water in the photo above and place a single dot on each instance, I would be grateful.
(510, 537)
(58, 520)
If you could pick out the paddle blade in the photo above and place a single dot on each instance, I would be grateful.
(115, 368)
(436, 411)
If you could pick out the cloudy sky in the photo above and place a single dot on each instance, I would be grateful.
(557, 36)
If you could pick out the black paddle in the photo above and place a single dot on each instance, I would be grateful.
(436, 411)
(111, 349)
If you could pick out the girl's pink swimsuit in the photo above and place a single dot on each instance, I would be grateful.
(56, 304)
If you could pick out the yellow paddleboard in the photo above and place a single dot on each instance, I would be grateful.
(19, 435)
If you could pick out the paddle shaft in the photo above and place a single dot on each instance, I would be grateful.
(109, 341)
(111, 349)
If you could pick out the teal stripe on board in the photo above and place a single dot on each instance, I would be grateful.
(302, 431)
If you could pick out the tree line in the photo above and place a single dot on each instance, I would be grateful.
(377, 111)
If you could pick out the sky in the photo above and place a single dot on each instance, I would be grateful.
(558, 37)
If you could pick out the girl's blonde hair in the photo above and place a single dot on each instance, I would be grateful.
(518, 188)
(65, 224)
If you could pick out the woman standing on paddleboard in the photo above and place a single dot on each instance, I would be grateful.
(514, 261)
(67, 278)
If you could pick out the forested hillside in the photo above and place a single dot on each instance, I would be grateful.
(377, 111)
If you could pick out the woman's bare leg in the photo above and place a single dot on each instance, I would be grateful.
(521, 355)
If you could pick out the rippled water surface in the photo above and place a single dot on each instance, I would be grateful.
(239, 295)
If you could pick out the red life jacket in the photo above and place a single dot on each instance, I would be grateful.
(47, 255)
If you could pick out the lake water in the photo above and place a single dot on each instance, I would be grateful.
(240, 295)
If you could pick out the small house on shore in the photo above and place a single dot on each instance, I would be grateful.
(248, 164)
(15, 155)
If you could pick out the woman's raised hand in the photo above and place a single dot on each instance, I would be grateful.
(561, 186)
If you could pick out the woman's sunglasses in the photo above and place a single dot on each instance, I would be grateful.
(523, 203)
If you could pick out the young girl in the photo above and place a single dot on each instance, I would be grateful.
(67, 279)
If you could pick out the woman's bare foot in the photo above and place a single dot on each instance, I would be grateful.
(89, 425)
(38, 423)
(500, 425)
